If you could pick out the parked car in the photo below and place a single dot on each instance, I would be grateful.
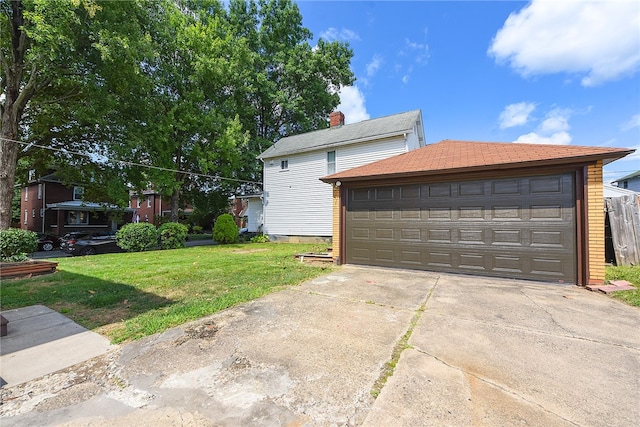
(93, 243)
(71, 238)
(47, 242)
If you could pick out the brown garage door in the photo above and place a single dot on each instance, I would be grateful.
(521, 227)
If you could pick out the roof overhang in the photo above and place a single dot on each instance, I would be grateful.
(76, 205)
(569, 162)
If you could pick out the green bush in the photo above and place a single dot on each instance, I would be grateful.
(225, 230)
(16, 244)
(172, 235)
(137, 237)
(260, 238)
(196, 229)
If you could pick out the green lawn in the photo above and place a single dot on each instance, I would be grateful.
(130, 295)
(632, 275)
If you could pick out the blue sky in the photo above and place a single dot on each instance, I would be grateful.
(560, 72)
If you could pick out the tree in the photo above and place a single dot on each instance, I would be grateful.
(65, 66)
(190, 129)
(289, 86)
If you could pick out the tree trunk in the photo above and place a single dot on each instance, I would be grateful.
(16, 97)
(175, 205)
(8, 162)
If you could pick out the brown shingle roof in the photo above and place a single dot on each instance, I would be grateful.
(456, 156)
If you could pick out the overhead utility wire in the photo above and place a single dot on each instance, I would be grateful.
(128, 163)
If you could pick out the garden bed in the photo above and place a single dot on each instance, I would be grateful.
(26, 268)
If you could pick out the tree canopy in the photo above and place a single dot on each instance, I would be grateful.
(166, 93)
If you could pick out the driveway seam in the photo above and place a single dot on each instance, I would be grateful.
(496, 385)
(401, 345)
(540, 332)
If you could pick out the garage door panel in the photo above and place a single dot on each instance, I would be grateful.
(516, 227)
(471, 189)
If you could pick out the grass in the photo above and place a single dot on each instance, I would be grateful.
(632, 275)
(126, 296)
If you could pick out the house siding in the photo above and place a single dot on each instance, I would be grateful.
(298, 203)
(595, 226)
(254, 213)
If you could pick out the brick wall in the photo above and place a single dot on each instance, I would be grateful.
(595, 223)
(336, 223)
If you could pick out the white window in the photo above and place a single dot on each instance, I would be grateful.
(33, 213)
(129, 202)
(284, 164)
(39, 191)
(149, 201)
(331, 162)
(26, 217)
(138, 202)
(32, 175)
(41, 212)
(78, 217)
(78, 192)
(26, 194)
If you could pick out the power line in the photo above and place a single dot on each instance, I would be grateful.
(127, 163)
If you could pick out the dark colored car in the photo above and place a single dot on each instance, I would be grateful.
(71, 238)
(47, 242)
(93, 243)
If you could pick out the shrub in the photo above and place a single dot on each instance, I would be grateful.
(260, 238)
(16, 243)
(196, 229)
(172, 235)
(225, 230)
(138, 237)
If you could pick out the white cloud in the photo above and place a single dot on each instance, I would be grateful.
(599, 40)
(553, 129)
(633, 122)
(560, 138)
(420, 50)
(344, 34)
(556, 121)
(352, 104)
(516, 114)
(374, 65)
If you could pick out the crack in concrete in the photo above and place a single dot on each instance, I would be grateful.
(496, 385)
(553, 319)
(539, 331)
(401, 345)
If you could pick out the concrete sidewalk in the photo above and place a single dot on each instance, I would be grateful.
(41, 341)
(483, 352)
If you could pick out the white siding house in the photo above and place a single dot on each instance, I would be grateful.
(296, 202)
(254, 214)
(629, 182)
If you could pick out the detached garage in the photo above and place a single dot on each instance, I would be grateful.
(499, 209)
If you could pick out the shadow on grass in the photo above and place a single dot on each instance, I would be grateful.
(89, 301)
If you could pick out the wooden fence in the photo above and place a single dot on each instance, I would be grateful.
(624, 218)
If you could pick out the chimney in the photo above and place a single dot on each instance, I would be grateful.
(336, 119)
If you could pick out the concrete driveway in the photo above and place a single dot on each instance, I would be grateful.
(478, 352)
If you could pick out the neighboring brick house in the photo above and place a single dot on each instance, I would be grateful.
(48, 206)
(148, 206)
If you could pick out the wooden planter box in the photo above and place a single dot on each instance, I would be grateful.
(27, 268)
